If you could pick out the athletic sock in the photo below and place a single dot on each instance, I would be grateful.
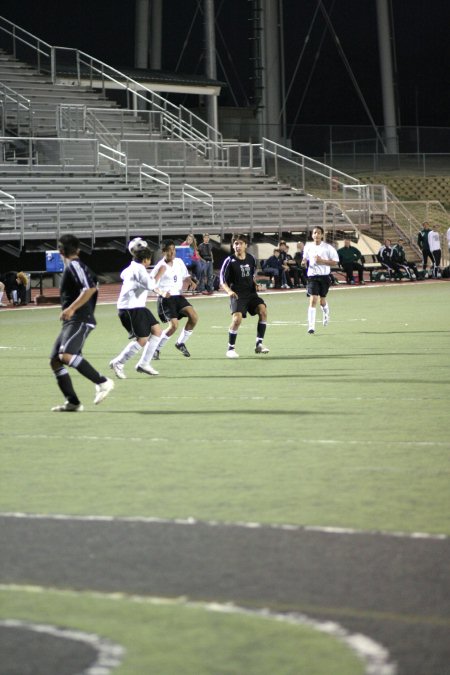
(184, 336)
(311, 318)
(325, 309)
(164, 339)
(260, 331)
(64, 382)
(85, 369)
(149, 350)
(232, 336)
(129, 351)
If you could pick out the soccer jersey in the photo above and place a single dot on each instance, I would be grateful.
(77, 277)
(239, 274)
(172, 279)
(323, 250)
(136, 284)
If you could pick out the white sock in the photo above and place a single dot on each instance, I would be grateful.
(149, 350)
(325, 309)
(1, 295)
(164, 339)
(130, 350)
(184, 336)
(311, 318)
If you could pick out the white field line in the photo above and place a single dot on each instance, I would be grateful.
(374, 656)
(110, 655)
(216, 523)
(263, 441)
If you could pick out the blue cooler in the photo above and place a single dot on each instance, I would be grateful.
(185, 253)
(54, 261)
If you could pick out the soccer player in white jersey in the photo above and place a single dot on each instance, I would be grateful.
(169, 275)
(318, 256)
(135, 317)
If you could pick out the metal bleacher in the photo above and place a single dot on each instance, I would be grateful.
(73, 160)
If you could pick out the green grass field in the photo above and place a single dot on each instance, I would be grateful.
(345, 428)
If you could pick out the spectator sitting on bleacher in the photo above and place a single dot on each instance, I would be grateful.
(292, 271)
(351, 259)
(384, 256)
(286, 260)
(197, 264)
(298, 257)
(399, 262)
(15, 285)
(274, 268)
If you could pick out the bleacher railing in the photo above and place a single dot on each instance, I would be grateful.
(177, 120)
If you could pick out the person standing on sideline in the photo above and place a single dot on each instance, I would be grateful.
(350, 259)
(434, 241)
(237, 278)
(135, 317)
(205, 250)
(78, 300)
(318, 258)
(424, 245)
(169, 275)
(448, 242)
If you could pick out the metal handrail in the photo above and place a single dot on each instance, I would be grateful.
(165, 182)
(115, 156)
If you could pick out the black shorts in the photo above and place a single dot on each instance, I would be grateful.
(71, 338)
(172, 308)
(319, 285)
(246, 304)
(137, 321)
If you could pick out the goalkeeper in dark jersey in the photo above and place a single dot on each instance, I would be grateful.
(237, 278)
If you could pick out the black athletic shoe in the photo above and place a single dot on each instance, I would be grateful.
(182, 348)
(156, 355)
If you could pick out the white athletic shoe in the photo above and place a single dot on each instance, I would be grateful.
(261, 349)
(146, 369)
(102, 390)
(118, 368)
(232, 354)
(325, 318)
(68, 407)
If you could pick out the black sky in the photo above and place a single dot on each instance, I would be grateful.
(105, 29)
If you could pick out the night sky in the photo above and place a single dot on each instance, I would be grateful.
(105, 29)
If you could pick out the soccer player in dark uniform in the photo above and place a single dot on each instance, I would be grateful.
(237, 278)
(78, 300)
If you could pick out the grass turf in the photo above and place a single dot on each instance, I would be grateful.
(343, 428)
(177, 638)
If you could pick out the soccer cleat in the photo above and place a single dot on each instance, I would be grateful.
(102, 390)
(182, 348)
(68, 407)
(118, 369)
(232, 354)
(156, 355)
(325, 319)
(311, 331)
(146, 369)
(261, 349)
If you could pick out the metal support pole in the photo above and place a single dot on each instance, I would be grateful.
(141, 34)
(210, 58)
(156, 35)
(272, 69)
(387, 80)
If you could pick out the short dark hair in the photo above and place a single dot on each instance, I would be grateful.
(165, 245)
(142, 254)
(239, 237)
(68, 244)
